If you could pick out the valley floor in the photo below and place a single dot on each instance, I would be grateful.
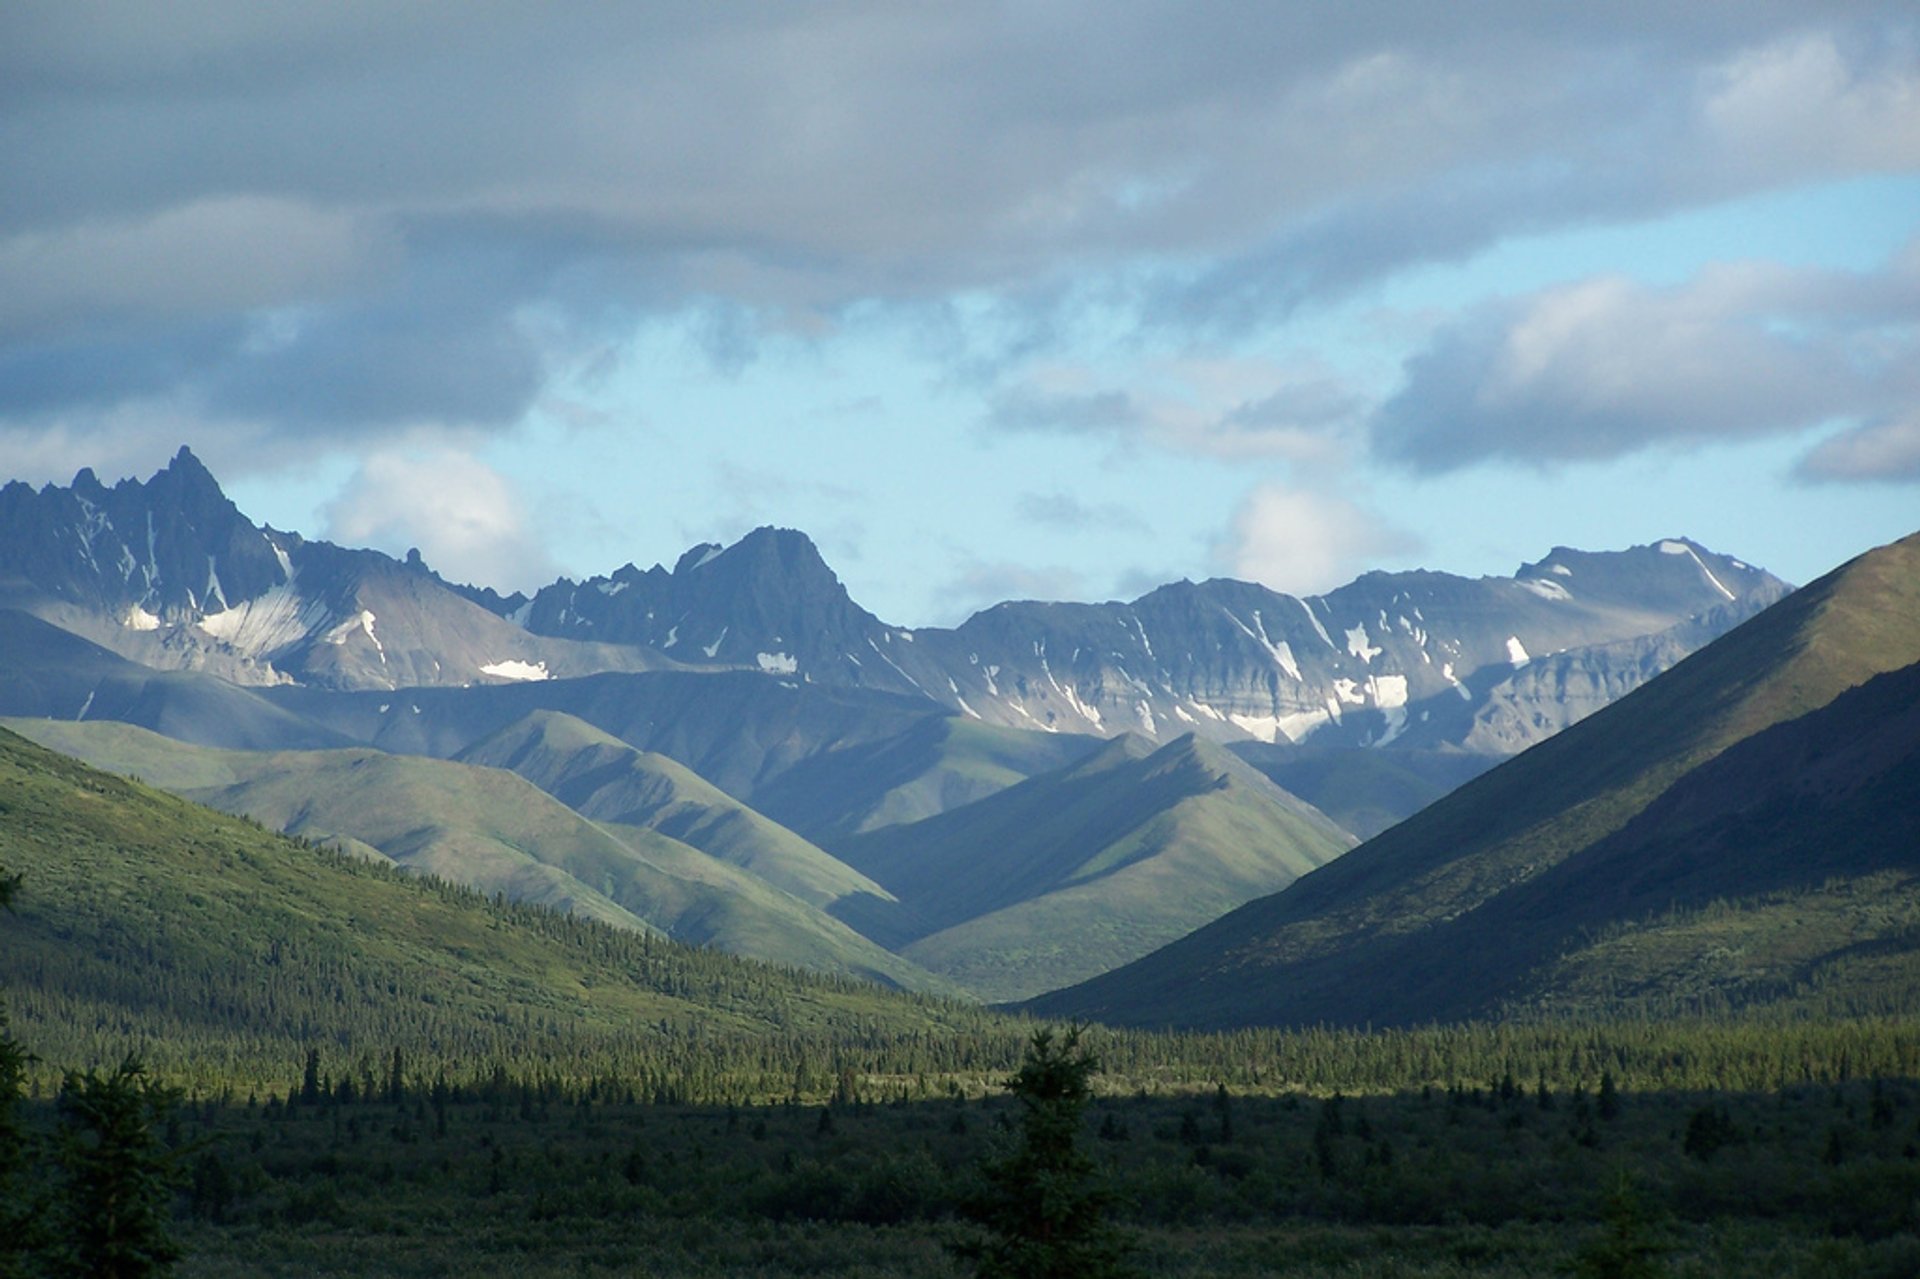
(1510, 1180)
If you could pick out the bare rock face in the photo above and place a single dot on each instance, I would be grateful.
(171, 574)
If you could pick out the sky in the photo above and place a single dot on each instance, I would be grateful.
(1023, 300)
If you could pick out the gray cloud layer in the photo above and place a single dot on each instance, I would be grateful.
(347, 218)
(1608, 366)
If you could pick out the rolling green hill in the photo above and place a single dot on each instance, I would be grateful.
(493, 831)
(223, 951)
(939, 763)
(1075, 871)
(602, 778)
(1422, 922)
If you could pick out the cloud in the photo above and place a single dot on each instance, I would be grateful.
(327, 217)
(1305, 542)
(462, 515)
(1884, 449)
(1222, 408)
(1065, 511)
(1608, 366)
(1806, 103)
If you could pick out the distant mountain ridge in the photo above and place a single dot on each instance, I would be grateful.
(1743, 827)
(170, 574)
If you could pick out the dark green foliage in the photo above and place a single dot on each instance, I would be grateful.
(1042, 1204)
(1626, 1246)
(116, 1176)
(1708, 1129)
(584, 1181)
(16, 1208)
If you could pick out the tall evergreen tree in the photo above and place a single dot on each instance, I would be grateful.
(115, 1203)
(16, 1209)
(1042, 1203)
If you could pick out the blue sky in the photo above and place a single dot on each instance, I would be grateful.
(1049, 300)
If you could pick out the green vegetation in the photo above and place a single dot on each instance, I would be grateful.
(113, 1214)
(1501, 1179)
(602, 778)
(939, 763)
(1079, 870)
(1045, 1213)
(387, 1075)
(220, 951)
(495, 832)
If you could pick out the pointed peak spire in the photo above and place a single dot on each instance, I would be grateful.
(186, 463)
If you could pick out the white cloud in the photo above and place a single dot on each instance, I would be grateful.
(1806, 105)
(1304, 542)
(1886, 449)
(1610, 366)
(462, 515)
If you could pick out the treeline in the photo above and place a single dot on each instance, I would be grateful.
(1753, 1055)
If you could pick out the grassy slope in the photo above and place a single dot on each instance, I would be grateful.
(1073, 872)
(940, 763)
(1333, 947)
(1818, 821)
(1366, 791)
(222, 949)
(493, 831)
(604, 779)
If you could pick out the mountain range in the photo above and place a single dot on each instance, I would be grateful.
(733, 752)
(1744, 829)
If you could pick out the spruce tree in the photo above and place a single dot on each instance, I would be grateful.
(117, 1196)
(1042, 1203)
(16, 1210)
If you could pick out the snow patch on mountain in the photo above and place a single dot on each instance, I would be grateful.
(780, 664)
(1388, 691)
(1717, 584)
(1357, 644)
(1517, 652)
(1318, 629)
(515, 669)
(1282, 651)
(138, 619)
(1546, 589)
(275, 620)
(1293, 726)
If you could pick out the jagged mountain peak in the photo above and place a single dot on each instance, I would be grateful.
(766, 557)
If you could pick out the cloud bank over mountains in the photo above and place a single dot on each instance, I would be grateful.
(278, 230)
